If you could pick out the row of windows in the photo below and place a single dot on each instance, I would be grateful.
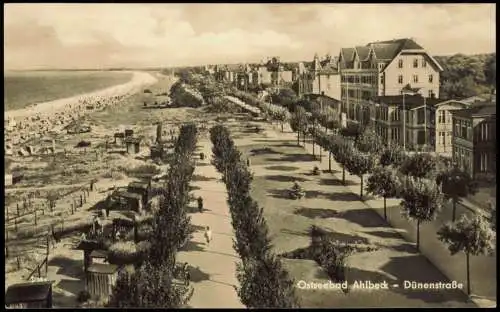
(444, 137)
(415, 63)
(463, 129)
(462, 156)
(359, 79)
(444, 117)
(415, 79)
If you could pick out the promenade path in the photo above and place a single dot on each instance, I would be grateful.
(212, 267)
(482, 268)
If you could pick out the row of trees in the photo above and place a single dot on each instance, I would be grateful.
(154, 283)
(423, 183)
(264, 283)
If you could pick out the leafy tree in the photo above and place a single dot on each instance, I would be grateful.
(384, 183)
(285, 97)
(490, 71)
(392, 155)
(369, 141)
(342, 155)
(251, 231)
(422, 200)
(360, 164)
(420, 165)
(455, 183)
(124, 294)
(265, 284)
(471, 236)
(151, 287)
(298, 122)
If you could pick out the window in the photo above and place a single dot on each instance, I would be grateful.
(463, 132)
(431, 78)
(400, 63)
(421, 137)
(484, 162)
(420, 116)
(430, 94)
(415, 78)
(484, 132)
(400, 79)
(441, 138)
(441, 116)
(382, 79)
(424, 63)
(415, 63)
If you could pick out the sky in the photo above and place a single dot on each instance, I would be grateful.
(95, 35)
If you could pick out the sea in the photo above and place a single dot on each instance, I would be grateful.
(25, 88)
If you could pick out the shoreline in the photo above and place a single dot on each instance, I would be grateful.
(138, 80)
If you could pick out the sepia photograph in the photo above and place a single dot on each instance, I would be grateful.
(250, 155)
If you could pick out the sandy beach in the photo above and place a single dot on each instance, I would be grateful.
(138, 80)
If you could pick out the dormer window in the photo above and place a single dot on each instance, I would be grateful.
(400, 63)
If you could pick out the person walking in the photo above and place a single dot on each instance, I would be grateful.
(208, 235)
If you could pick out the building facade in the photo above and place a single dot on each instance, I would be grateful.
(322, 78)
(384, 69)
(474, 139)
(415, 132)
(444, 125)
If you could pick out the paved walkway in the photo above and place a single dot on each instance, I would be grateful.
(482, 268)
(212, 267)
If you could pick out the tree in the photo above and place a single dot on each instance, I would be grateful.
(384, 183)
(151, 287)
(471, 236)
(369, 141)
(420, 165)
(422, 200)
(490, 70)
(455, 183)
(392, 155)
(265, 284)
(360, 164)
(342, 154)
(298, 122)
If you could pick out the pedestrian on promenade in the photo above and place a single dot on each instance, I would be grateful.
(208, 235)
(200, 203)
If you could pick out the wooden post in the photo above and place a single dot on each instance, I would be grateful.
(17, 206)
(39, 271)
(18, 263)
(36, 221)
(48, 242)
(81, 200)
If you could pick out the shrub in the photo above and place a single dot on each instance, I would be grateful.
(297, 192)
(128, 252)
(316, 171)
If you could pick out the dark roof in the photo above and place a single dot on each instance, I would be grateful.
(98, 253)
(103, 268)
(133, 140)
(27, 292)
(480, 109)
(139, 184)
(385, 51)
(410, 101)
(88, 245)
(129, 195)
(348, 54)
(362, 52)
(403, 44)
(119, 135)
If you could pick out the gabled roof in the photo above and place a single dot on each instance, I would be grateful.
(482, 109)
(103, 268)
(385, 51)
(347, 54)
(363, 52)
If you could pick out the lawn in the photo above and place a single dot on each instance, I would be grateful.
(276, 164)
